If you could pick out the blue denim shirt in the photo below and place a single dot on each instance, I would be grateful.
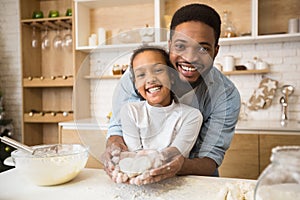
(214, 95)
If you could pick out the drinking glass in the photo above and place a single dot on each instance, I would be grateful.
(67, 41)
(34, 38)
(46, 40)
(57, 40)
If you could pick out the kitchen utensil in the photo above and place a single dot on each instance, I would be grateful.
(249, 65)
(284, 105)
(261, 65)
(101, 36)
(287, 90)
(52, 169)
(41, 151)
(228, 63)
(282, 101)
(293, 25)
(16, 144)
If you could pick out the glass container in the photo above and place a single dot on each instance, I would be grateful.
(281, 179)
(228, 29)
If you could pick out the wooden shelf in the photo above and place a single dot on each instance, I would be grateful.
(245, 72)
(53, 23)
(48, 82)
(104, 77)
(222, 42)
(236, 72)
(47, 118)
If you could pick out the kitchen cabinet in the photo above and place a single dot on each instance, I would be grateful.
(242, 158)
(119, 18)
(250, 152)
(269, 141)
(94, 139)
(251, 19)
(47, 73)
(275, 20)
(89, 132)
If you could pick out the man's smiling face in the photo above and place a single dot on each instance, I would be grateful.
(192, 49)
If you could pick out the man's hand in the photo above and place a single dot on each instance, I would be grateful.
(114, 146)
(167, 170)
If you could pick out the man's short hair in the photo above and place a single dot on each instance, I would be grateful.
(198, 13)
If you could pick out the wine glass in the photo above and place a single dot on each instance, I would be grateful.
(46, 40)
(57, 40)
(67, 41)
(34, 38)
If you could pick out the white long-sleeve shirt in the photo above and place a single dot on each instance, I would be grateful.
(148, 127)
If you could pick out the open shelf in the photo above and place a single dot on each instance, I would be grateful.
(47, 118)
(244, 72)
(48, 82)
(104, 77)
(48, 74)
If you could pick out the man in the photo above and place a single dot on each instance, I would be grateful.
(193, 46)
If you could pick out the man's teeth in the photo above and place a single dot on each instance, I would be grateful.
(185, 68)
(154, 89)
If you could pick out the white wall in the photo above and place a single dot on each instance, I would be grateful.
(284, 60)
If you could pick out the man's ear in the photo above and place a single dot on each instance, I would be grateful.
(216, 51)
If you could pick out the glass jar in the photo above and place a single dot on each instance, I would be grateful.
(281, 179)
(117, 69)
(228, 29)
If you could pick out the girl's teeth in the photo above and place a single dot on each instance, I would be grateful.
(151, 90)
(188, 68)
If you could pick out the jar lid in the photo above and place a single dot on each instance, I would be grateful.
(286, 154)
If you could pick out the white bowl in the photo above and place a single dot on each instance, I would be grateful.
(53, 168)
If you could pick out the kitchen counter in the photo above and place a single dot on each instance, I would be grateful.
(268, 125)
(95, 184)
(248, 125)
(85, 124)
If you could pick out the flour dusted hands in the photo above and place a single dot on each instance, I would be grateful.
(138, 167)
(132, 164)
(172, 163)
(110, 158)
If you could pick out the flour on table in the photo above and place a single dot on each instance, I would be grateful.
(184, 187)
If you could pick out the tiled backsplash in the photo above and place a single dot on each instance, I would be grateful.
(282, 58)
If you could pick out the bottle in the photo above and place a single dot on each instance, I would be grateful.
(281, 179)
(228, 29)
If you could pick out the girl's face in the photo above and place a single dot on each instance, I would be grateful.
(152, 78)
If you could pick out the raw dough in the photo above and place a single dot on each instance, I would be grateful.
(135, 166)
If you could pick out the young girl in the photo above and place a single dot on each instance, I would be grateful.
(157, 125)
